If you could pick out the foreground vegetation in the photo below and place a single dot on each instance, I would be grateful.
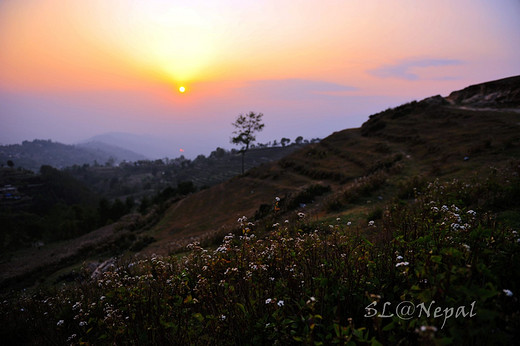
(454, 244)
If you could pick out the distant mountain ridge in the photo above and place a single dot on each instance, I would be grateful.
(33, 154)
(146, 145)
(120, 154)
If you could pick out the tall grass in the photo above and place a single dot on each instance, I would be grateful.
(296, 284)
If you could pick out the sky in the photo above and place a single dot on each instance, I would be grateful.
(74, 69)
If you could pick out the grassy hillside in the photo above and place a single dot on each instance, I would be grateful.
(403, 231)
(363, 167)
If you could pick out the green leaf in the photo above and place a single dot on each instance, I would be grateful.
(198, 316)
(241, 307)
(375, 342)
(436, 259)
(388, 327)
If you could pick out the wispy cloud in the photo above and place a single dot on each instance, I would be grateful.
(404, 69)
(296, 88)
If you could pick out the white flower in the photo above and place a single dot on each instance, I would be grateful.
(83, 323)
(222, 317)
(60, 322)
(472, 213)
(399, 258)
(349, 223)
(428, 329)
(508, 292)
(301, 215)
(277, 199)
(371, 223)
(401, 264)
(268, 301)
(280, 303)
(311, 300)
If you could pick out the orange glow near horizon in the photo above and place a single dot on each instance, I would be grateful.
(127, 60)
(114, 44)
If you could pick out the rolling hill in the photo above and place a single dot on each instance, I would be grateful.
(461, 135)
(418, 206)
(352, 174)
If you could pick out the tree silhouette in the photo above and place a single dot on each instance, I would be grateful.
(245, 128)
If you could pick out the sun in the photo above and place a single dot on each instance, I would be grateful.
(182, 89)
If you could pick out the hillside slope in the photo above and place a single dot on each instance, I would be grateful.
(364, 167)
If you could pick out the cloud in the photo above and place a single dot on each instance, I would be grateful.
(403, 69)
(295, 88)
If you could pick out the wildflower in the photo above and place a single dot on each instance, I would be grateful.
(467, 247)
(301, 215)
(472, 212)
(268, 301)
(60, 323)
(311, 300)
(428, 328)
(426, 331)
(286, 221)
(76, 306)
(222, 317)
(338, 219)
(399, 258)
(276, 225)
(371, 223)
(277, 199)
(401, 264)
(349, 223)
(507, 292)
(83, 323)
(280, 303)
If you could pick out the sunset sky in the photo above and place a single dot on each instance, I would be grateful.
(72, 69)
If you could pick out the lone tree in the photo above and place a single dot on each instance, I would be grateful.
(245, 128)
